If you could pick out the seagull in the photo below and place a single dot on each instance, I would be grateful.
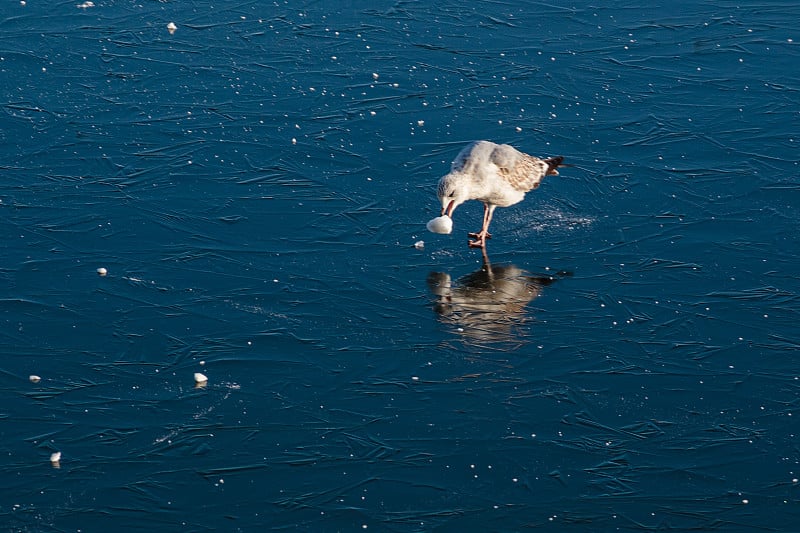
(495, 174)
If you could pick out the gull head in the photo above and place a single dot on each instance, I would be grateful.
(453, 191)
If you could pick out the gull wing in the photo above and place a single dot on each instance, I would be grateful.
(523, 172)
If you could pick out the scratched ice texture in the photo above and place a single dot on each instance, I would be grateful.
(257, 184)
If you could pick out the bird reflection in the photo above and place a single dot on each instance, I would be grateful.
(488, 305)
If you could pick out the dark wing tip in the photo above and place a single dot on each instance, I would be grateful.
(553, 163)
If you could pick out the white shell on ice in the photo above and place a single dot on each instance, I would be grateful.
(442, 224)
(200, 378)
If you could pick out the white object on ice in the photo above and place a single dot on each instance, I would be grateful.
(442, 224)
(200, 378)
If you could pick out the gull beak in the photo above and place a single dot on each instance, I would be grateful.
(449, 209)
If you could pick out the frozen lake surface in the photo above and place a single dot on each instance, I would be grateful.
(256, 185)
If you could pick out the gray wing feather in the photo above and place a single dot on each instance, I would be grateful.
(505, 156)
(463, 156)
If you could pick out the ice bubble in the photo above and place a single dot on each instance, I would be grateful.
(442, 224)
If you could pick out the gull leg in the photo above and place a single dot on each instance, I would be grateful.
(486, 216)
(481, 236)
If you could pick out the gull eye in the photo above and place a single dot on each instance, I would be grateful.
(452, 194)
